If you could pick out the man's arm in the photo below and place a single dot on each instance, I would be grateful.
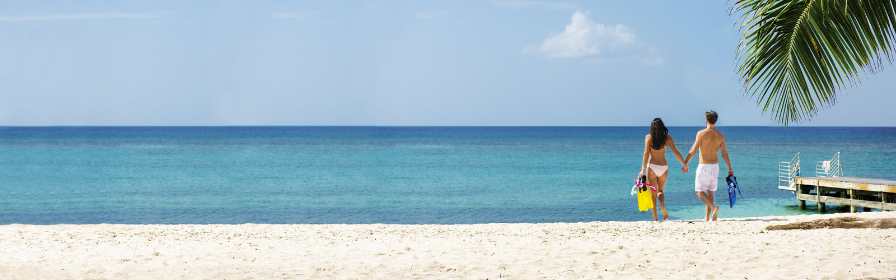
(693, 149)
(724, 149)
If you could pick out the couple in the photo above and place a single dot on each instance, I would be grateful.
(710, 142)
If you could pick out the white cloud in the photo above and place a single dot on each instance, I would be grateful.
(517, 4)
(424, 15)
(583, 37)
(428, 15)
(288, 15)
(80, 16)
(651, 56)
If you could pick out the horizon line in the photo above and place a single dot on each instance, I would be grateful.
(407, 126)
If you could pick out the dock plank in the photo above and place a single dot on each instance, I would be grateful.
(846, 201)
(850, 183)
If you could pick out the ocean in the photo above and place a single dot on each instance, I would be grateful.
(403, 175)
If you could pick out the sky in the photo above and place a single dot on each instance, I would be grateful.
(487, 62)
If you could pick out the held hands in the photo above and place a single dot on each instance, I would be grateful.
(684, 169)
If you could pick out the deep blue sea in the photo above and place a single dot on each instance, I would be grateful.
(407, 175)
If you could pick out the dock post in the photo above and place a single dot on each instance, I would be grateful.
(852, 207)
(818, 203)
(799, 190)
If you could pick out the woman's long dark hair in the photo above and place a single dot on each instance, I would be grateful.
(658, 133)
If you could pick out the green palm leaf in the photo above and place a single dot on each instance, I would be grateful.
(796, 54)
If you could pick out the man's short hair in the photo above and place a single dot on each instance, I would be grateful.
(712, 117)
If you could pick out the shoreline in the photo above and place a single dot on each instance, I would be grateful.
(730, 248)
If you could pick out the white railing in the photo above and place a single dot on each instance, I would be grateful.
(829, 168)
(786, 171)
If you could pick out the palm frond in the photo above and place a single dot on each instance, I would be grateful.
(795, 55)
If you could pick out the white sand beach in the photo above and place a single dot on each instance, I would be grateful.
(728, 249)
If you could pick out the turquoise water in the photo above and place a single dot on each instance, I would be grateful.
(387, 174)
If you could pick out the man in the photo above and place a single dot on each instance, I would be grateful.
(710, 142)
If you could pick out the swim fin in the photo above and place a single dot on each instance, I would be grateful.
(733, 190)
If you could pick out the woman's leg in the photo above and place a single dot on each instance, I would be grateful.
(651, 177)
(661, 196)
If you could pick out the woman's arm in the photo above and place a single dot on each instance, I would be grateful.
(671, 143)
(646, 155)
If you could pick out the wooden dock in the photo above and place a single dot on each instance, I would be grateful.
(854, 192)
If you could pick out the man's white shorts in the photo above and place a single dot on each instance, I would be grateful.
(707, 177)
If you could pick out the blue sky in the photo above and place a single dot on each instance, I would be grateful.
(499, 62)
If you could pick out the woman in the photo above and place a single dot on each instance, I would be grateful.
(654, 164)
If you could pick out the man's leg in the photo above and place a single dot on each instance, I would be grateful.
(702, 197)
(715, 209)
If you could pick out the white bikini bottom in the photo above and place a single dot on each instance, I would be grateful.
(659, 170)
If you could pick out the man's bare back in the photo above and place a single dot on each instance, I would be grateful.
(710, 141)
